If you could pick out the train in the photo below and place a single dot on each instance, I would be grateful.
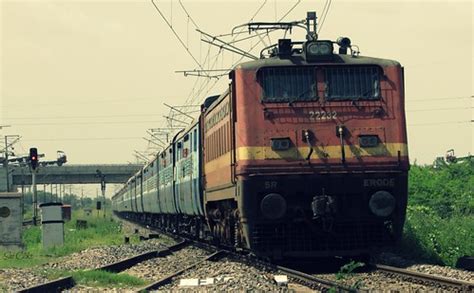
(305, 154)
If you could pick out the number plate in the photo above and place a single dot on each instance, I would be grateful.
(322, 115)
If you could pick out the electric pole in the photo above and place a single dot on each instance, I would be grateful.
(5, 162)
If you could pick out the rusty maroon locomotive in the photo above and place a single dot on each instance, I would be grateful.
(305, 155)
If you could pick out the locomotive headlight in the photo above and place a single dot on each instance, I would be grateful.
(382, 203)
(273, 206)
(280, 144)
(366, 141)
(318, 50)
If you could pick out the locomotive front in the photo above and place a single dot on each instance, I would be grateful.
(321, 157)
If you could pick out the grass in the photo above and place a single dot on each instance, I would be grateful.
(100, 231)
(347, 271)
(106, 279)
(97, 278)
(440, 216)
(435, 239)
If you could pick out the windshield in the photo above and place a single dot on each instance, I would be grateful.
(287, 84)
(352, 82)
(292, 84)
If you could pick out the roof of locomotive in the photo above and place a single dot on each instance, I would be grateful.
(300, 60)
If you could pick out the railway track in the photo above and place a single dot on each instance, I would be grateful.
(433, 281)
(299, 277)
(67, 282)
(169, 278)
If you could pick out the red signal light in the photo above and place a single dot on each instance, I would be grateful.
(33, 158)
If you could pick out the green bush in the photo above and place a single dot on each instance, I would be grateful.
(447, 190)
(440, 216)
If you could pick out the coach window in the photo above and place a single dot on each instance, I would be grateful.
(190, 142)
(195, 140)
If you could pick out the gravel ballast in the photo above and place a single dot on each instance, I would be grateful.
(228, 276)
(96, 257)
(158, 268)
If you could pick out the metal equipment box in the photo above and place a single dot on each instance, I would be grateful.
(66, 212)
(11, 220)
(52, 224)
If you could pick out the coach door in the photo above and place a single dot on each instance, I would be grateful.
(219, 150)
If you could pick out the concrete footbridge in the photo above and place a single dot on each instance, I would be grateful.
(71, 174)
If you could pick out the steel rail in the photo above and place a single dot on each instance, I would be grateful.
(312, 281)
(168, 279)
(52, 286)
(124, 264)
(445, 282)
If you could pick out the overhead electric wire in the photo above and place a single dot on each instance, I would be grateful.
(440, 109)
(189, 16)
(291, 9)
(87, 123)
(438, 99)
(95, 101)
(190, 95)
(205, 84)
(440, 123)
(324, 8)
(81, 138)
(170, 119)
(252, 47)
(258, 10)
(87, 117)
(176, 35)
(323, 19)
(232, 49)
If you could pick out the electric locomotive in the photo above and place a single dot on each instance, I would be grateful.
(305, 155)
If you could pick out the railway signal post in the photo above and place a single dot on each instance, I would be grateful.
(34, 165)
(102, 186)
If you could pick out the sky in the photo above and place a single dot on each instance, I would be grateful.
(91, 77)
